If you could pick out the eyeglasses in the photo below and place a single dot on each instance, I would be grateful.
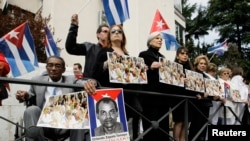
(57, 66)
(182, 53)
(105, 31)
(118, 30)
(226, 73)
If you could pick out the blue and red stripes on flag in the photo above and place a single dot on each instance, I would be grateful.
(218, 49)
(19, 50)
(116, 11)
(50, 45)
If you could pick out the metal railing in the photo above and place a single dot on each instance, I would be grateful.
(186, 100)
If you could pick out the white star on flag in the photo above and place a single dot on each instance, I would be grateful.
(13, 34)
(160, 24)
(106, 95)
(19, 50)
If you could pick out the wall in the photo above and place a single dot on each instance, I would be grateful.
(136, 29)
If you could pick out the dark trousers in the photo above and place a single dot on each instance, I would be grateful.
(197, 121)
(134, 102)
(154, 111)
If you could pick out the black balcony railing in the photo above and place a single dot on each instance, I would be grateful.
(185, 100)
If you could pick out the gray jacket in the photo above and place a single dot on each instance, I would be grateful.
(37, 92)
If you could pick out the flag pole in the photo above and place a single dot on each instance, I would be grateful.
(79, 11)
(212, 56)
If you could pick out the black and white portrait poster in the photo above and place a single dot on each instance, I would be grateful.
(107, 116)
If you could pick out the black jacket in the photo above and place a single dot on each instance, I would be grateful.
(87, 49)
(102, 76)
(152, 55)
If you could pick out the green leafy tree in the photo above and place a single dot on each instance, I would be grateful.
(196, 27)
(232, 20)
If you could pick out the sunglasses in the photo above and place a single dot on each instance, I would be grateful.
(182, 53)
(105, 31)
(116, 30)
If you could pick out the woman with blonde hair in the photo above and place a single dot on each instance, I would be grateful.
(203, 103)
(225, 115)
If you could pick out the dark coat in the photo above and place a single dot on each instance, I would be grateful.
(87, 49)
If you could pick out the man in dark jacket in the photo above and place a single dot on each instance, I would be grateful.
(87, 49)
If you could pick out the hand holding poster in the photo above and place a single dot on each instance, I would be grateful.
(235, 95)
(213, 87)
(67, 111)
(107, 115)
(195, 81)
(126, 69)
(171, 72)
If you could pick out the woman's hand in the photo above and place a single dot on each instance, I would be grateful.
(198, 96)
(155, 65)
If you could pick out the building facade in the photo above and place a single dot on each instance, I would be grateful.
(90, 16)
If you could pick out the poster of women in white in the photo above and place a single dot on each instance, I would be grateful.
(68, 111)
(171, 72)
(126, 69)
(107, 116)
(195, 81)
(213, 87)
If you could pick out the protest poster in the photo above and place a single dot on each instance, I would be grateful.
(67, 111)
(171, 72)
(107, 115)
(235, 95)
(213, 87)
(195, 81)
(126, 69)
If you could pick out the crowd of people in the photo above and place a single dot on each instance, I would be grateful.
(152, 107)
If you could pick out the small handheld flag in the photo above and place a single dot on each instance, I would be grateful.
(160, 25)
(19, 50)
(116, 11)
(218, 49)
(50, 45)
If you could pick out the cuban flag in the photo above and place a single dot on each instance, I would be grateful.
(50, 45)
(160, 25)
(218, 49)
(115, 94)
(19, 50)
(116, 11)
